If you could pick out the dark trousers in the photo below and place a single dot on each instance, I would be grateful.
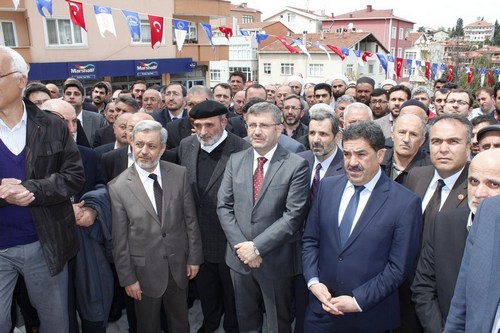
(256, 295)
(216, 293)
(323, 323)
(174, 300)
(300, 302)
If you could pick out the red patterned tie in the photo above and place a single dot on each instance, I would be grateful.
(258, 176)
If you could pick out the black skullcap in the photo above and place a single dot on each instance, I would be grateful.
(489, 128)
(366, 79)
(207, 109)
(415, 103)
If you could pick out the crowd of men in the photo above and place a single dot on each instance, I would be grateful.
(341, 206)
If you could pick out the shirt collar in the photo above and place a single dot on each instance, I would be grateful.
(449, 181)
(371, 184)
(21, 123)
(209, 149)
(326, 163)
(268, 156)
(144, 175)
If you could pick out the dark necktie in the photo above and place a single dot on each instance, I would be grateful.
(434, 204)
(258, 176)
(315, 183)
(350, 212)
(158, 193)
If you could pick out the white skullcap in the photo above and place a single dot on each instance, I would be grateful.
(338, 77)
(388, 81)
(296, 79)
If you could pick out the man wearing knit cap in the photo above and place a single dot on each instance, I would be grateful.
(339, 85)
(364, 88)
(296, 83)
(205, 155)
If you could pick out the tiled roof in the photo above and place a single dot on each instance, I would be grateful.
(368, 13)
(414, 36)
(479, 24)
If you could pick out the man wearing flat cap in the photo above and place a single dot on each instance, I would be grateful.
(205, 156)
(489, 137)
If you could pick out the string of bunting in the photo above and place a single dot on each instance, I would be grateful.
(392, 66)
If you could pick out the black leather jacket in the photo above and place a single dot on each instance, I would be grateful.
(54, 173)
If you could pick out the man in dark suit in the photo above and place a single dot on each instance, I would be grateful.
(174, 96)
(120, 134)
(205, 156)
(360, 241)
(156, 239)
(475, 306)
(261, 222)
(182, 128)
(439, 262)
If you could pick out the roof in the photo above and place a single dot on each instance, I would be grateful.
(368, 14)
(256, 25)
(340, 40)
(300, 11)
(414, 36)
(240, 8)
(479, 24)
(310, 12)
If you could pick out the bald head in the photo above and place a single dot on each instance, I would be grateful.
(54, 90)
(63, 109)
(484, 177)
(133, 120)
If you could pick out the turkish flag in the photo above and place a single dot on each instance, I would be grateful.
(490, 79)
(287, 44)
(365, 55)
(76, 14)
(428, 70)
(156, 26)
(399, 66)
(337, 51)
(469, 75)
(228, 32)
(450, 73)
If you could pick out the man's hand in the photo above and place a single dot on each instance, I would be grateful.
(86, 215)
(323, 295)
(343, 304)
(134, 291)
(14, 193)
(255, 263)
(246, 251)
(192, 271)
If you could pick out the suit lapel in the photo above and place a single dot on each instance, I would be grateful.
(377, 198)
(165, 182)
(424, 182)
(137, 189)
(221, 164)
(459, 191)
(334, 205)
(122, 163)
(274, 165)
(337, 165)
(192, 163)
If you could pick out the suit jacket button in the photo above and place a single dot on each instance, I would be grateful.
(164, 235)
(165, 257)
(340, 258)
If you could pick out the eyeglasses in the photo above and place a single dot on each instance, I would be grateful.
(460, 102)
(253, 126)
(2, 76)
(291, 107)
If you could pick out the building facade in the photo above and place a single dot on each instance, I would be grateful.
(479, 31)
(299, 20)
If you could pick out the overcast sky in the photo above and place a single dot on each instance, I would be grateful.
(429, 13)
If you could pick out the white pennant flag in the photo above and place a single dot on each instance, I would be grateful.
(180, 30)
(16, 3)
(104, 19)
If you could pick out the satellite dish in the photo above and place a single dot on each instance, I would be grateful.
(350, 26)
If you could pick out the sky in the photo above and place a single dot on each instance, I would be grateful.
(428, 13)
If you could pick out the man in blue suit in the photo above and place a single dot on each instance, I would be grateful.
(360, 241)
(475, 306)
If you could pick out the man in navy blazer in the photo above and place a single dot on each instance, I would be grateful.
(475, 306)
(353, 270)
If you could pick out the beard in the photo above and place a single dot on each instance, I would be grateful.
(210, 141)
(146, 166)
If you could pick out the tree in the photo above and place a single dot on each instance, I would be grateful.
(480, 62)
(496, 35)
(421, 29)
(459, 28)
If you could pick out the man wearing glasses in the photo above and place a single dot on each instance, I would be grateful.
(292, 113)
(459, 101)
(379, 103)
(262, 203)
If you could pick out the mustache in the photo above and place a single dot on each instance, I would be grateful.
(355, 168)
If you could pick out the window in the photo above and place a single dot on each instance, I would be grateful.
(286, 69)
(145, 33)
(215, 75)
(316, 70)
(370, 68)
(401, 33)
(393, 32)
(393, 51)
(240, 52)
(8, 33)
(61, 32)
(410, 55)
(400, 52)
(406, 72)
(349, 69)
(245, 70)
(247, 19)
(291, 17)
(191, 36)
(267, 68)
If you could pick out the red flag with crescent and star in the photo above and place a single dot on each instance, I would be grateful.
(287, 44)
(365, 55)
(469, 75)
(399, 67)
(156, 26)
(336, 50)
(76, 14)
(450, 73)
(428, 70)
(490, 79)
(228, 32)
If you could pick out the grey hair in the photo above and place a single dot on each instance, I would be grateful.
(358, 106)
(201, 90)
(128, 100)
(422, 90)
(17, 61)
(150, 126)
(265, 107)
(320, 107)
(367, 130)
(344, 98)
(455, 117)
(323, 113)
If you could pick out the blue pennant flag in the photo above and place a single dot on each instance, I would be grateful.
(443, 67)
(345, 51)
(260, 37)
(496, 71)
(434, 69)
(390, 58)
(417, 62)
(41, 4)
(207, 28)
(133, 22)
(244, 33)
(408, 64)
(383, 61)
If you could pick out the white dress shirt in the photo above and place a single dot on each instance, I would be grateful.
(269, 156)
(324, 166)
(445, 191)
(148, 182)
(209, 149)
(15, 138)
